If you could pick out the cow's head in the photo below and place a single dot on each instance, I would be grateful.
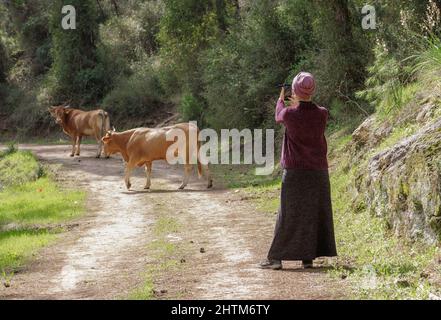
(110, 147)
(59, 113)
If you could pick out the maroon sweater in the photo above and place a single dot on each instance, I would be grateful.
(304, 144)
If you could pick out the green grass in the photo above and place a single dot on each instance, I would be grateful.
(395, 99)
(39, 202)
(18, 246)
(242, 176)
(165, 225)
(31, 203)
(17, 168)
(165, 254)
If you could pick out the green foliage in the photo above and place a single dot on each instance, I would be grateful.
(135, 96)
(150, 14)
(241, 71)
(392, 83)
(341, 51)
(187, 29)
(427, 63)
(385, 87)
(28, 22)
(192, 109)
(79, 69)
(197, 28)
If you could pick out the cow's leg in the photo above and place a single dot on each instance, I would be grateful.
(100, 142)
(100, 147)
(129, 168)
(148, 172)
(74, 142)
(187, 171)
(208, 175)
(79, 138)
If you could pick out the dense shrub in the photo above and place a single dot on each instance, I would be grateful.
(385, 84)
(135, 96)
(240, 73)
(192, 109)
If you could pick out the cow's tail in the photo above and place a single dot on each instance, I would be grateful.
(203, 169)
(105, 123)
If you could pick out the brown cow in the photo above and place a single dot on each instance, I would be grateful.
(78, 123)
(140, 147)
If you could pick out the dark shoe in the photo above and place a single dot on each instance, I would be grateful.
(307, 264)
(271, 265)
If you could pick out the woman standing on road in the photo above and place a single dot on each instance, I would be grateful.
(305, 228)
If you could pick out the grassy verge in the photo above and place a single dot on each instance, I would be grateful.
(31, 203)
(378, 264)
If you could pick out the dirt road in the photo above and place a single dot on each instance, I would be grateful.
(107, 253)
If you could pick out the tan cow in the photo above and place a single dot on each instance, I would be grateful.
(78, 124)
(140, 147)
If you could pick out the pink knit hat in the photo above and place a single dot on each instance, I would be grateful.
(303, 85)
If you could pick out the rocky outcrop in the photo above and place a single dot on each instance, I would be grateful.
(370, 133)
(403, 183)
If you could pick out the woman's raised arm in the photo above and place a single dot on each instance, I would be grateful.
(280, 108)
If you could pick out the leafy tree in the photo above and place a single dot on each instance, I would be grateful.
(241, 71)
(79, 70)
(341, 53)
(30, 24)
(187, 29)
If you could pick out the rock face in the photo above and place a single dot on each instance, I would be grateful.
(403, 183)
(368, 134)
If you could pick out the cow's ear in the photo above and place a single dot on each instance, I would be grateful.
(67, 111)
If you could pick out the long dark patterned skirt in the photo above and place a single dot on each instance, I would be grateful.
(305, 227)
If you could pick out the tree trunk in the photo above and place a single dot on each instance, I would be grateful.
(237, 7)
(115, 6)
(220, 13)
(2, 64)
